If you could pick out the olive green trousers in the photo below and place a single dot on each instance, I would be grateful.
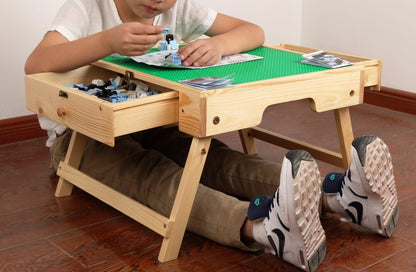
(147, 166)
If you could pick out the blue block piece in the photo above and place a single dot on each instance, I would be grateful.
(169, 44)
(173, 58)
(163, 46)
(81, 87)
(113, 86)
(113, 98)
(122, 97)
(173, 45)
(176, 59)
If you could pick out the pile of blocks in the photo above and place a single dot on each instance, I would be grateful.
(115, 90)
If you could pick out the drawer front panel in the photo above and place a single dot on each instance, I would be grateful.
(81, 112)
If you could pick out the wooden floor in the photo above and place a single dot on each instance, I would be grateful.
(39, 232)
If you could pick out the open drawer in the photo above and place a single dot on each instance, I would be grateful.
(47, 95)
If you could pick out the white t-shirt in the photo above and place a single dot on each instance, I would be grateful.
(76, 19)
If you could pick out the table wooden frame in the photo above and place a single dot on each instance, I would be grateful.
(201, 114)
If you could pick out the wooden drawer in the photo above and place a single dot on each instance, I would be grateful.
(47, 95)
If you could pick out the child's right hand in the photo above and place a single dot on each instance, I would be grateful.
(133, 39)
(56, 54)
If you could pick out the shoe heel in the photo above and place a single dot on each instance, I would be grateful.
(317, 259)
(388, 230)
(383, 184)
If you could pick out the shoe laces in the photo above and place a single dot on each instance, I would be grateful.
(276, 196)
(347, 175)
(348, 178)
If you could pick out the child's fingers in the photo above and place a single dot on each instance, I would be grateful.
(195, 56)
(142, 29)
(190, 53)
(206, 60)
(149, 39)
(199, 53)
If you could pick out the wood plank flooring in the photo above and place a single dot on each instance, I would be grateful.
(39, 232)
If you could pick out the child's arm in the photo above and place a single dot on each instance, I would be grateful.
(56, 54)
(228, 35)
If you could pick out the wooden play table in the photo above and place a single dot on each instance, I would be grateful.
(278, 78)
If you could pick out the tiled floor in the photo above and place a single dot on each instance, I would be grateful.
(39, 232)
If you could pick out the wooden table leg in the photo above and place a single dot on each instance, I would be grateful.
(73, 158)
(247, 140)
(345, 134)
(185, 198)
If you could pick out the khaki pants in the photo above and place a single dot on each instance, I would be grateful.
(147, 166)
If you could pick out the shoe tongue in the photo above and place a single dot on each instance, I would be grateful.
(332, 183)
(259, 207)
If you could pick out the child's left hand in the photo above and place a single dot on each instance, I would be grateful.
(202, 52)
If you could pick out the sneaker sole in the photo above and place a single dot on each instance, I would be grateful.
(307, 198)
(376, 161)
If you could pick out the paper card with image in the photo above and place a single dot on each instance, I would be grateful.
(324, 59)
(209, 83)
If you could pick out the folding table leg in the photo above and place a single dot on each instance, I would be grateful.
(247, 140)
(73, 158)
(185, 198)
(345, 134)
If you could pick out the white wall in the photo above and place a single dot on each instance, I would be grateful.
(24, 22)
(281, 20)
(380, 29)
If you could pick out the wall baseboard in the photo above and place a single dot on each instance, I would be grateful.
(27, 127)
(393, 99)
(20, 129)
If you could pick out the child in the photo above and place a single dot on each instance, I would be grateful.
(86, 31)
(147, 165)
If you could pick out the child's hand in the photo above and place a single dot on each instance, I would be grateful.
(201, 52)
(133, 39)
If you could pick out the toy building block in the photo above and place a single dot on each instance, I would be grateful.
(118, 97)
(169, 44)
(98, 82)
(115, 89)
(141, 93)
(142, 86)
(92, 91)
(173, 58)
(131, 94)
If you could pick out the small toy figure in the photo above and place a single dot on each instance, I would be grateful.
(169, 44)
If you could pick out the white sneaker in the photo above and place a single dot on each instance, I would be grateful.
(366, 194)
(293, 226)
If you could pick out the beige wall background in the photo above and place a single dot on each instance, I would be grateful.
(381, 29)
